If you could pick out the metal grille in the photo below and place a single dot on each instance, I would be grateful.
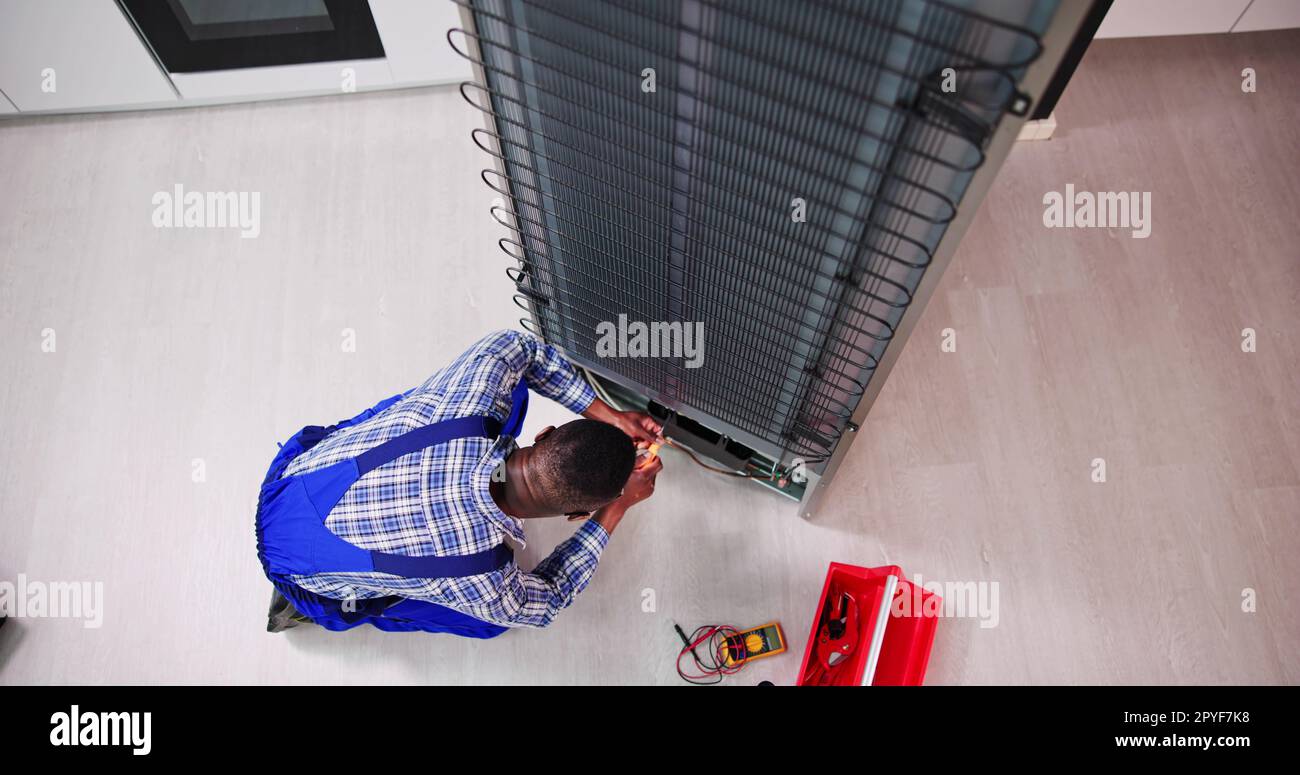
(680, 203)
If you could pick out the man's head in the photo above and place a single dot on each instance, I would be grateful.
(573, 469)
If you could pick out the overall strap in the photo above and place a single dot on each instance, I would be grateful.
(436, 567)
(447, 430)
(455, 566)
(324, 488)
(518, 409)
(426, 436)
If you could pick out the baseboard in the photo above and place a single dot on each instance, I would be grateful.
(1041, 129)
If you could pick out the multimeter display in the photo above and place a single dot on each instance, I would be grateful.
(761, 641)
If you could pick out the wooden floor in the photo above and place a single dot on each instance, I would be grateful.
(975, 466)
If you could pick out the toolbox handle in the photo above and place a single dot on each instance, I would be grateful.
(878, 631)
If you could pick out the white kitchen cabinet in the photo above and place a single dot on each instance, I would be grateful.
(73, 55)
(415, 40)
(1269, 15)
(1146, 18)
(284, 80)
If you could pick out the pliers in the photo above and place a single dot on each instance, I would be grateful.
(837, 635)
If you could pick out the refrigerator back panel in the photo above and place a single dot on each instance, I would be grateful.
(774, 176)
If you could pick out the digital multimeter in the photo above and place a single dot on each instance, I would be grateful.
(762, 641)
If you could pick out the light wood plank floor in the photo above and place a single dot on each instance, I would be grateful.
(975, 466)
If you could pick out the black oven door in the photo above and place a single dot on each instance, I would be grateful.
(195, 36)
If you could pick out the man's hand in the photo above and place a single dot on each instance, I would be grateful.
(640, 485)
(640, 426)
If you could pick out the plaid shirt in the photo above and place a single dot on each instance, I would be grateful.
(437, 502)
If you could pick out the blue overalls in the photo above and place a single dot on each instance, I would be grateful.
(292, 538)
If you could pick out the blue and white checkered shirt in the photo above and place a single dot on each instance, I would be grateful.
(437, 502)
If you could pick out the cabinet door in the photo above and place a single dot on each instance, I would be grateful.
(1269, 15)
(1145, 18)
(75, 54)
(415, 40)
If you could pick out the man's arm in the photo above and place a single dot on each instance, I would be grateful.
(535, 599)
(639, 425)
(551, 375)
(518, 355)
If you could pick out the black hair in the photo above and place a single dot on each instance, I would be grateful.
(584, 465)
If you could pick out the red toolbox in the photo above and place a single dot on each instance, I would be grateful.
(871, 627)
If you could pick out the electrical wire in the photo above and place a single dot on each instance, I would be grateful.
(712, 667)
(715, 469)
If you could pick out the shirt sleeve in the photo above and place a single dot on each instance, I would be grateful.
(535, 599)
(509, 356)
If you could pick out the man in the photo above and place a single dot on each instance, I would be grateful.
(399, 516)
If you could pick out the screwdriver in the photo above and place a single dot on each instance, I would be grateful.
(651, 452)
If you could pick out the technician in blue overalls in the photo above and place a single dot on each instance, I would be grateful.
(398, 517)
